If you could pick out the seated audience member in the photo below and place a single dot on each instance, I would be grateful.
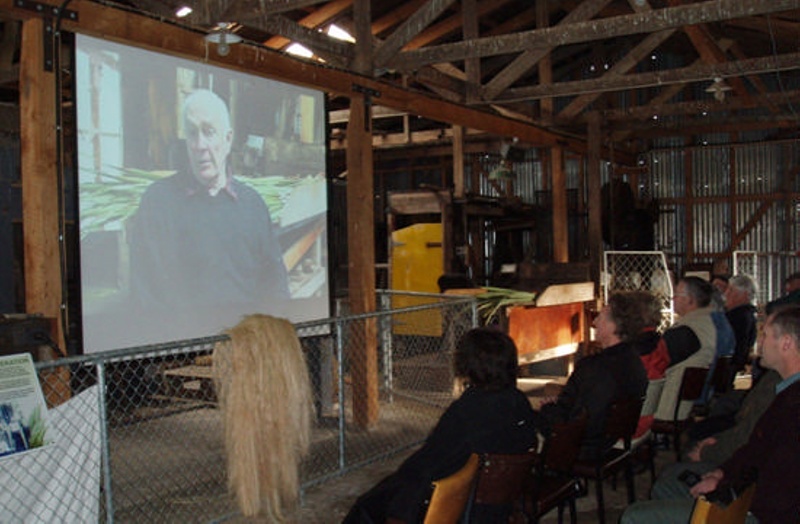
(717, 437)
(697, 338)
(741, 314)
(649, 343)
(720, 284)
(771, 454)
(615, 372)
(490, 416)
(792, 296)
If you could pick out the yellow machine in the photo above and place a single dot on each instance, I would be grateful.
(416, 265)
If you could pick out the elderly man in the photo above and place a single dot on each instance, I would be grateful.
(771, 455)
(741, 314)
(700, 335)
(203, 246)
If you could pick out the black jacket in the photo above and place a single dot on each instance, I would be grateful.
(597, 381)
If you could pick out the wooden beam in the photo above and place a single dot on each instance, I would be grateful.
(472, 66)
(694, 73)
(645, 22)
(409, 29)
(528, 59)
(618, 70)
(312, 21)
(241, 9)
(697, 107)
(336, 52)
(106, 22)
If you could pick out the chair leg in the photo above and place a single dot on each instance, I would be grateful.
(629, 481)
(573, 511)
(601, 507)
(561, 513)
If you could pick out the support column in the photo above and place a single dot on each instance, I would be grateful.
(560, 217)
(593, 180)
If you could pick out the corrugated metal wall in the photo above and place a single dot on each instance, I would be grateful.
(717, 199)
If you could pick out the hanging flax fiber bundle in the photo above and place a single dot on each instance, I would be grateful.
(265, 396)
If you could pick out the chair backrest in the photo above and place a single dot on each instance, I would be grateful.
(501, 477)
(622, 419)
(451, 494)
(652, 396)
(722, 379)
(706, 512)
(692, 384)
(562, 447)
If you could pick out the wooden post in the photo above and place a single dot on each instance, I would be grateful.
(40, 197)
(361, 276)
(560, 218)
(593, 178)
(361, 235)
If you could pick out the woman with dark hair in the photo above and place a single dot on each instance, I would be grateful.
(614, 372)
(490, 416)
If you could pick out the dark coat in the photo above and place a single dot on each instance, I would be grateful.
(598, 380)
(772, 457)
(479, 421)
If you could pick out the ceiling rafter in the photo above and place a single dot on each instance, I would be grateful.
(409, 29)
(316, 19)
(694, 73)
(528, 59)
(338, 52)
(615, 26)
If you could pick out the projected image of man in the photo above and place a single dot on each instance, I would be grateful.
(203, 247)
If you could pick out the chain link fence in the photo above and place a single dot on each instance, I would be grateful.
(150, 448)
(639, 270)
(769, 270)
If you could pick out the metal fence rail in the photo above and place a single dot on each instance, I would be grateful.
(160, 455)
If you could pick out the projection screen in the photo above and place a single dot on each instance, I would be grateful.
(202, 197)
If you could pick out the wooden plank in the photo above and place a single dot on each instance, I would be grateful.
(610, 27)
(417, 202)
(566, 293)
(536, 329)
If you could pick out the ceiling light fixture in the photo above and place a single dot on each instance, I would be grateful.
(718, 88)
(224, 37)
(183, 11)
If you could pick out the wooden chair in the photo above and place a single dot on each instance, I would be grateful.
(500, 483)
(706, 512)
(621, 422)
(554, 484)
(691, 389)
(450, 495)
(642, 446)
(719, 383)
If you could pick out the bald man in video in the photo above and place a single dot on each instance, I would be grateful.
(203, 246)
